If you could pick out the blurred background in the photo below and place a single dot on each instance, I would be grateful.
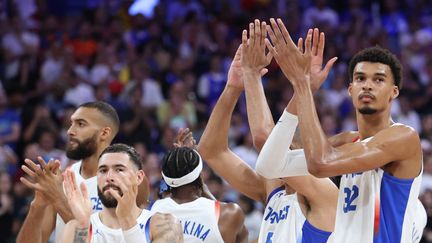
(163, 64)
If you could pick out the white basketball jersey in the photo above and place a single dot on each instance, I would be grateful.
(91, 184)
(283, 219)
(100, 233)
(374, 206)
(198, 218)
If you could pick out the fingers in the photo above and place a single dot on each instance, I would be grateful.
(251, 34)
(237, 55)
(33, 166)
(263, 33)
(28, 171)
(329, 65)
(285, 34)
(257, 30)
(263, 71)
(270, 47)
(269, 57)
(115, 194)
(321, 44)
(278, 38)
(244, 40)
(84, 190)
(315, 41)
(43, 163)
(300, 45)
(29, 184)
(308, 43)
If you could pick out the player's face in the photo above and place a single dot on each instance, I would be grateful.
(372, 88)
(112, 170)
(83, 133)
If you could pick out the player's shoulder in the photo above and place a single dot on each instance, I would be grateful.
(401, 132)
(231, 212)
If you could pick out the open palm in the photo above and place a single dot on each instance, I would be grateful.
(78, 200)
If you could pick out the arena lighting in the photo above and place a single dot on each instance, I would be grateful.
(144, 7)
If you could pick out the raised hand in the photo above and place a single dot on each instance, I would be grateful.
(318, 73)
(235, 71)
(128, 184)
(184, 138)
(253, 56)
(47, 178)
(294, 63)
(79, 201)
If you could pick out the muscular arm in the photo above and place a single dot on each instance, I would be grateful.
(165, 228)
(213, 147)
(38, 225)
(72, 233)
(393, 144)
(231, 223)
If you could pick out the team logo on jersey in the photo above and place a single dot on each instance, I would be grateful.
(276, 216)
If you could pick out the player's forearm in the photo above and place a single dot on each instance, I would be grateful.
(316, 145)
(259, 116)
(61, 206)
(215, 136)
(30, 232)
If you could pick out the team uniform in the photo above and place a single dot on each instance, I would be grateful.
(199, 218)
(100, 233)
(284, 221)
(91, 184)
(374, 206)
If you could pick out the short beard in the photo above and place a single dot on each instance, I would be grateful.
(84, 149)
(367, 111)
(107, 201)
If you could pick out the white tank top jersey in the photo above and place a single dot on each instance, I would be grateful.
(199, 218)
(100, 233)
(284, 221)
(374, 206)
(91, 184)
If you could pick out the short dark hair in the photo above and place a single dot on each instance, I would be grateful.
(381, 55)
(134, 156)
(180, 162)
(106, 110)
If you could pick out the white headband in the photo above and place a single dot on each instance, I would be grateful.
(186, 179)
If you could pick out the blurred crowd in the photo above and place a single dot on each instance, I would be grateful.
(164, 68)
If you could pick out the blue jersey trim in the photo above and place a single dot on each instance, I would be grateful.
(276, 190)
(394, 197)
(311, 234)
(147, 230)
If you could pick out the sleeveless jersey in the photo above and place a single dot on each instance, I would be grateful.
(100, 233)
(91, 184)
(374, 206)
(199, 218)
(284, 221)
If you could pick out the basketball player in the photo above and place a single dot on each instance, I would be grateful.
(121, 220)
(93, 127)
(202, 219)
(381, 171)
(298, 208)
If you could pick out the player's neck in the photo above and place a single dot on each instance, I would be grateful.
(186, 194)
(89, 165)
(109, 217)
(369, 125)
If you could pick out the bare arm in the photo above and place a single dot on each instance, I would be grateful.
(38, 225)
(231, 223)
(165, 228)
(393, 144)
(72, 233)
(253, 61)
(213, 145)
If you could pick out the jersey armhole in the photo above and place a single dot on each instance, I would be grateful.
(217, 210)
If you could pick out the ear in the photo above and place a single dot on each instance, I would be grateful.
(350, 89)
(395, 92)
(106, 133)
(140, 176)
